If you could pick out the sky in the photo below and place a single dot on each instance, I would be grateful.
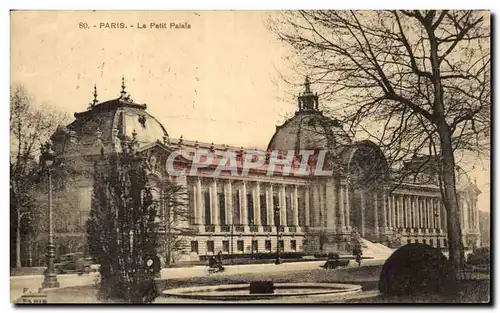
(217, 81)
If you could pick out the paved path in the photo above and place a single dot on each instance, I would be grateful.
(33, 282)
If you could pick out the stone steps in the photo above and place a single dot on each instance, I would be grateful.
(376, 250)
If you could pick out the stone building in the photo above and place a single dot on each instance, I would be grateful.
(235, 214)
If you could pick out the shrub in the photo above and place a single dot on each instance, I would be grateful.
(416, 269)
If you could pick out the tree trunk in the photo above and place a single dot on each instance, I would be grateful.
(18, 239)
(450, 199)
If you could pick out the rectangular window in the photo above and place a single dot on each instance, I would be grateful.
(263, 210)
(268, 245)
(225, 245)
(293, 245)
(239, 245)
(236, 207)
(431, 242)
(210, 246)
(424, 242)
(208, 211)
(255, 246)
(194, 246)
(445, 243)
(416, 240)
(222, 208)
(250, 209)
(302, 215)
(408, 241)
(282, 245)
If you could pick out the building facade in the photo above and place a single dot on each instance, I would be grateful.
(235, 213)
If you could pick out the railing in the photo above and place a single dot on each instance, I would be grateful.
(239, 228)
(292, 229)
(225, 228)
(210, 228)
(282, 229)
(267, 228)
(254, 229)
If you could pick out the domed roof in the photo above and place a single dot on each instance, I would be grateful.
(118, 118)
(309, 129)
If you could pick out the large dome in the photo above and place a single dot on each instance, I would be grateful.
(309, 129)
(309, 132)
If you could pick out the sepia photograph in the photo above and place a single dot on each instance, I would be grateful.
(250, 157)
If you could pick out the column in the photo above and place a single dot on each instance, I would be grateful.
(363, 209)
(215, 203)
(330, 205)
(256, 204)
(393, 211)
(400, 211)
(196, 215)
(432, 218)
(439, 215)
(228, 188)
(199, 205)
(388, 211)
(408, 211)
(244, 204)
(422, 213)
(384, 210)
(315, 208)
(375, 212)
(342, 201)
(283, 205)
(295, 202)
(476, 214)
(426, 215)
(322, 221)
(347, 208)
(417, 215)
(270, 205)
(414, 212)
(306, 207)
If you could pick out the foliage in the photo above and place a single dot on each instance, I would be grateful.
(416, 269)
(175, 220)
(30, 125)
(415, 82)
(122, 232)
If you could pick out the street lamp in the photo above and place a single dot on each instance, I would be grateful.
(50, 277)
(277, 223)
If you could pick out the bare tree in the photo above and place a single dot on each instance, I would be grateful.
(416, 82)
(175, 220)
(30, 126)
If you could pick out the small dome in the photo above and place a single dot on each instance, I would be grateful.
(106, 123)
(309, 129)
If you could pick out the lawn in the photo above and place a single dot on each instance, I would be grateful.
(366, 276)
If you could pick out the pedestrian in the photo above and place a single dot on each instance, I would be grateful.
(358, 259)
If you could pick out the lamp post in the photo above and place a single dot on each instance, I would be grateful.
(50, 277)
(277, 222)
